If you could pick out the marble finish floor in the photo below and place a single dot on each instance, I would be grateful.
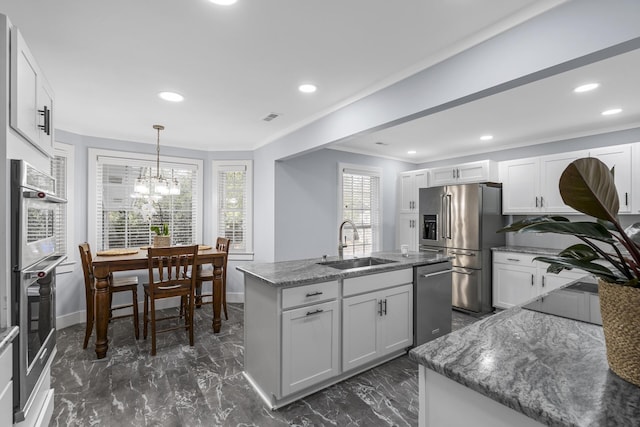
(204, 386)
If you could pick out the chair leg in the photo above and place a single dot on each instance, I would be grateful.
(90, 317)
(110, 305)
(224, 294)
(198, 293)
(153, 327)
(145, 315)
(136, 328)
(191, 313)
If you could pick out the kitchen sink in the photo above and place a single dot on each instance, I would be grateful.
(347, 264)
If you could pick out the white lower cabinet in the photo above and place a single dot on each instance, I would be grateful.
(376, 324)
(309, 345)
(517, 278)
(6, 387)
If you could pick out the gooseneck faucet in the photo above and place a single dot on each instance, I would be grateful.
(342, 244)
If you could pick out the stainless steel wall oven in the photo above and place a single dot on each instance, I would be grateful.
(34, 259)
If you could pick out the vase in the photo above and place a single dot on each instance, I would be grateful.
(620, 310)
(161, 241)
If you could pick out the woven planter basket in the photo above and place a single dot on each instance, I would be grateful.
(161, 241)
(620, 310)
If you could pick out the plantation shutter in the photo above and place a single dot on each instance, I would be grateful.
(361, 204)
(233, 205)
(120, 219)
(59, 172)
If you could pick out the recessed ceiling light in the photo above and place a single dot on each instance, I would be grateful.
(586, 87)
(223, 2)
(171, 96)
(307, 88)
(411, 152)
(486, 137)
(612, 111)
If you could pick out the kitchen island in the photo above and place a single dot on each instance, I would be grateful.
(309, 324)
(523, 368)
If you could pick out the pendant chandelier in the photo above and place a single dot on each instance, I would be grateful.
(154, 187)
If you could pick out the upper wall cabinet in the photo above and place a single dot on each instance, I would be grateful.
(530, 186)
(410, 183)
(31, 97)
(482, 171)
(619, 158)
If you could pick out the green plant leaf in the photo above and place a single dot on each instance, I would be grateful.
(587, 185)
(570, 263)
(590, 230)
(579, 251)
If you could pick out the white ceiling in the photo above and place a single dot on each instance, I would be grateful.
(543, 111)
(107, 60)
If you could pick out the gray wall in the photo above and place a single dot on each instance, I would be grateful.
(306, 202)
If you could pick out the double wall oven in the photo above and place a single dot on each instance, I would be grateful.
(34, 258)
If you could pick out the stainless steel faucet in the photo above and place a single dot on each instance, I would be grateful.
(341, 243)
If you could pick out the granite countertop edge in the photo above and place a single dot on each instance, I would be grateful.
(7, 336)
(527, 250)
(307, 271)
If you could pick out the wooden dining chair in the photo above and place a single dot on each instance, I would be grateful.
(168, 277)
(222, 244)
(116, 284)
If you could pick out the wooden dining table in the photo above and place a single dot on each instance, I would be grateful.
(104, 265)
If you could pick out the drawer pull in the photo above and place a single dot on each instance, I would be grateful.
(313, 294)
(310, 313)
(513, 259)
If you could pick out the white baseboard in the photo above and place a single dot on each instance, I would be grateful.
(71, 319)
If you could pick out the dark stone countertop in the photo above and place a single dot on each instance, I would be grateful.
(300, 272)
(549, 368)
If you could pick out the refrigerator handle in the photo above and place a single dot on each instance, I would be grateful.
(448, 216)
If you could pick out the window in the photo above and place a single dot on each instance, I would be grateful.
(233, 184)
(119, 219)
(360, 201)
(62, 166)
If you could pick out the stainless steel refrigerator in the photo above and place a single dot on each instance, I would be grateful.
(461, 221)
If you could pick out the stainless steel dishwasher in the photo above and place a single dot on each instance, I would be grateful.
(432, 295)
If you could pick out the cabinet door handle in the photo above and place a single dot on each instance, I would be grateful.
(313, 294)
(532, 279)
(310, 313)
(536, 201)
(457, 173)
(543, 281)
(46, 113)
(541, 202)
(626, 199)
(454, 173)
(513, 259)
(385, 306)
(380, 308)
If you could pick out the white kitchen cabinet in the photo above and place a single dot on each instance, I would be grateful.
(309, 345)
(32, 98)
(618, 157)
(6, 386)
(408, 229)
(376, 324)
(410, 184)
(530, 186)
(517, 278)
(481, 171)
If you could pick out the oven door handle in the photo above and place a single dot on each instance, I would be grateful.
(41, 195)
(38, 273)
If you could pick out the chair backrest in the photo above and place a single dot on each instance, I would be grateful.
(171, 265)
(87, 267)
(222, 244)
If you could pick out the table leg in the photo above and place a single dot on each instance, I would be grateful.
(217, 294)
(102, 311)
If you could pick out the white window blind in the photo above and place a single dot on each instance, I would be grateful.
(233, 199)
(361, 204)
(59, 172)
(125, 221)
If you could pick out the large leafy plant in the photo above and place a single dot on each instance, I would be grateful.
(607, 250)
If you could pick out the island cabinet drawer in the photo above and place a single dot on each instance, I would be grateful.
(308, 294)
(515, 258)
(373, 282)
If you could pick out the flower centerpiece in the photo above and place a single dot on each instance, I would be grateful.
(161, 238)
(606, 250)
